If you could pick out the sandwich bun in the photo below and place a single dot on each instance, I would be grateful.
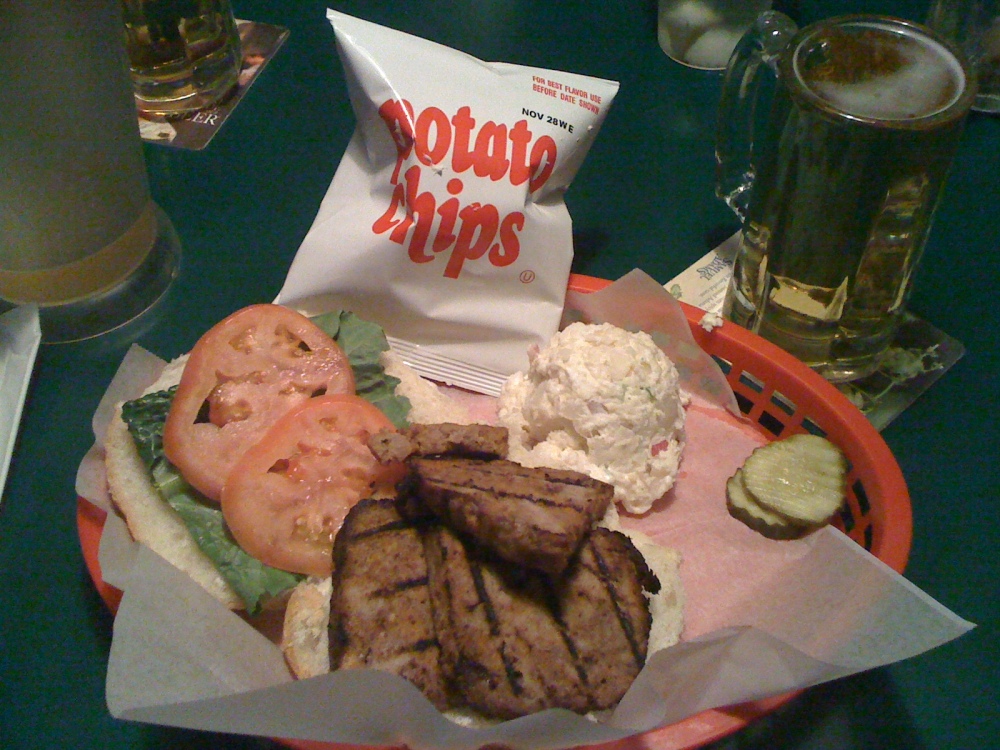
(149, 518)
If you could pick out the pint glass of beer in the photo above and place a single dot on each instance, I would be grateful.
(184, 55)
(80, 235)
(838, 191)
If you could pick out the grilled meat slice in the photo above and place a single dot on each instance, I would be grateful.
(380, 609)
(536, 517)
(514, 641)
(444, 439)
(502, 651)
(605, 615)
(390, 446)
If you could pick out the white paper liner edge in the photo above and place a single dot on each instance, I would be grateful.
(20, 336)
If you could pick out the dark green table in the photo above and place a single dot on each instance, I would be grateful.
(643, 199)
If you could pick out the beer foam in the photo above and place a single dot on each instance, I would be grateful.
(927, 79)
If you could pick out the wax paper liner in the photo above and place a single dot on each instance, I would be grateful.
(761, 618)
(20, 336)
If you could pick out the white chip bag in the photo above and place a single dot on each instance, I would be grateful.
(445, 221)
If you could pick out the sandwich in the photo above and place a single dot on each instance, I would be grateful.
(426, 517)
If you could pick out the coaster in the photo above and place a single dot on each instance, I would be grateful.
(920, 353)
(260, 42)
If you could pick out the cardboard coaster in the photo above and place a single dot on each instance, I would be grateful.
(260, 42)
(920, 353)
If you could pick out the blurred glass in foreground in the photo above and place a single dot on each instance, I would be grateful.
(79, 233)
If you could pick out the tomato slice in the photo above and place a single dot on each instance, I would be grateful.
(287, 497)
(241, 375)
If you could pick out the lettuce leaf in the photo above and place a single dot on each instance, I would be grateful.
(253, 581)
(364, 342)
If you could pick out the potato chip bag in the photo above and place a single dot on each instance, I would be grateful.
(445, 220)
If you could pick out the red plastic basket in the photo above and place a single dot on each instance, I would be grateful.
(778, 392)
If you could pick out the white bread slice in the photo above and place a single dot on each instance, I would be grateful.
(427, 403)
(149, 518)
(667, 605)
(305, 640)
(152, 521)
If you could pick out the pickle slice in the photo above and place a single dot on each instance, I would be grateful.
(802, 478)
(744, 508)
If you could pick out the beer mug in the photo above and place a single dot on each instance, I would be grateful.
(838, 188)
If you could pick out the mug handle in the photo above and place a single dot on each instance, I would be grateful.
(764, 42)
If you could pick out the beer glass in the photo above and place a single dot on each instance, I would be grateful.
(974, 26)
(184, 55)
(80, 236)
(838, 188)
(702, 33)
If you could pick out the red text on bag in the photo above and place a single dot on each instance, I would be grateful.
(432, 140)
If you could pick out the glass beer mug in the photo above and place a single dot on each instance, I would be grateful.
(838, 187)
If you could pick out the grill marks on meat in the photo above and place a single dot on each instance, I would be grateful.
(502, 649)
(515, 641)
(486, 584)
(535, 517)
(532, 517)
(605, 614)
(380, 611)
